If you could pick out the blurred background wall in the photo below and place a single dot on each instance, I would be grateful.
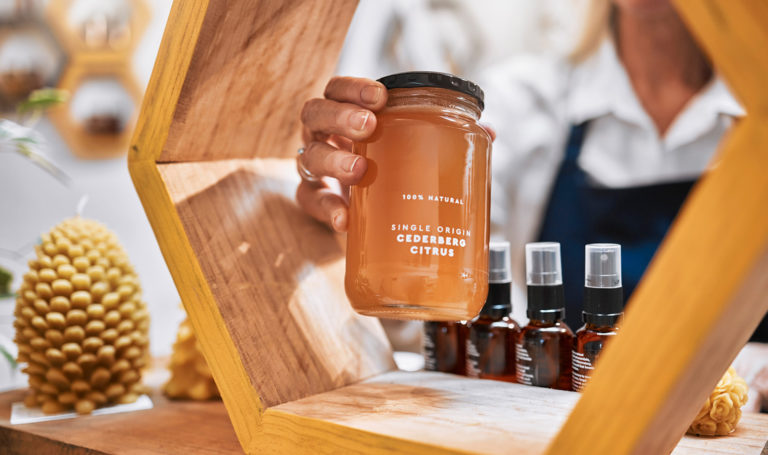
(386, 36)
(32, 202)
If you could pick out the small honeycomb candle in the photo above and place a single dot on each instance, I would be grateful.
(722, 410)
(190, 376)
(102, 105)
(27, 62)
(81, 325)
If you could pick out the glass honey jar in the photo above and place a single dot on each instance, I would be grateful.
(417, 245)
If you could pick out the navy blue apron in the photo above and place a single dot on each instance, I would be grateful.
(579, 212)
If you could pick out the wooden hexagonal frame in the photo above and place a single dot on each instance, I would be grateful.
(57, 12)
(82, 143)
(262, 283)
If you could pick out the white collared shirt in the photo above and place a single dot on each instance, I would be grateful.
(532, 104)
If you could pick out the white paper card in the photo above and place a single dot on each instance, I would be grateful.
(20, 413)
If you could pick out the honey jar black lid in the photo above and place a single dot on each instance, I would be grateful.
(414, 79)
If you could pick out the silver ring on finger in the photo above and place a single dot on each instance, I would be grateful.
(304, 173)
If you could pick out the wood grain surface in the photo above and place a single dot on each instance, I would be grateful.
(414, 412)
(395, 412)
(704, 292)
(276, 278)
(254, 65)
(446, 411)
(241, 399)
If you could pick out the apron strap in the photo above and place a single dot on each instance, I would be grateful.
(575, 141)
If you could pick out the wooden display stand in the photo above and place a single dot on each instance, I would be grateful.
(212, 161)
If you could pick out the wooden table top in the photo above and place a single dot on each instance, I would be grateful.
(170, 427)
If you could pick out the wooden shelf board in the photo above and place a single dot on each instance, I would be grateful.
(477, 416)
(425, 409)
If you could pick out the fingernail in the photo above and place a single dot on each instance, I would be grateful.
(352, 163)
(359, 119)
(370, 94)
(338, 221)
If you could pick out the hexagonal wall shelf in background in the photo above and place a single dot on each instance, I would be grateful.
(30, 59)
(98, 118)
(99, 29)
(14, 11)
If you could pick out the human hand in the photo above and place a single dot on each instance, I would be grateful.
(330, 126)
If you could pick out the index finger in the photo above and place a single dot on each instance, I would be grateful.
(367, 93)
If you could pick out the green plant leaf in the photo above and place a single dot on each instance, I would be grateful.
(6, 277)
(42, 99)
(8, 357)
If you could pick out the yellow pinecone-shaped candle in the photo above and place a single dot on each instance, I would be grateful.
(81, 325)
(190, 376)
(722, 410)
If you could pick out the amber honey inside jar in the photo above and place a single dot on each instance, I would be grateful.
(417, 246)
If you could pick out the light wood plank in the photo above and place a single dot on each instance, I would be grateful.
(403, 412)
(242, 401)
(277, 276)
(447, 411)
(162, 94)
(255, 64)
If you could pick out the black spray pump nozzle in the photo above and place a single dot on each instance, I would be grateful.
(499, 265)
(602, 265)
(603, 292)
(499, 301)
(542, 264)
(544, 277)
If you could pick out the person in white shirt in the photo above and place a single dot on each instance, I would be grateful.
(630, 163)
(602, 146)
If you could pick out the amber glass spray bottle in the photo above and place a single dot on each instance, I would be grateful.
(544, 346)
(444, 346)
(491, 336)
(603, 306)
